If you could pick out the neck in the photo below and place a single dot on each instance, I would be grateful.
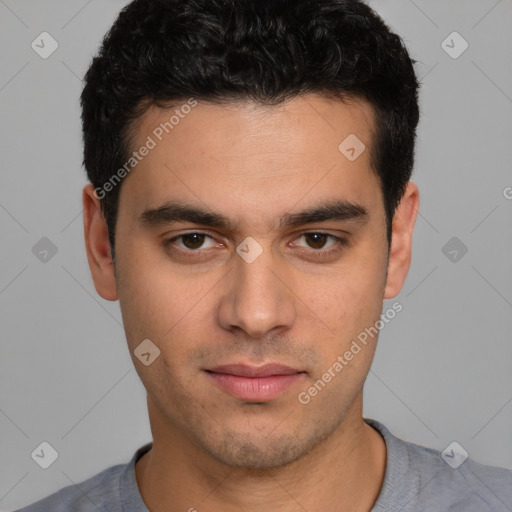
(343, 472)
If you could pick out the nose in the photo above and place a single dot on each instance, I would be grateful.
(258, 298)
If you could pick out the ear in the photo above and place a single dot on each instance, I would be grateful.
(97, 245)
(401, 240)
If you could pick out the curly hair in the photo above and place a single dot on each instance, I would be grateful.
(268, 51)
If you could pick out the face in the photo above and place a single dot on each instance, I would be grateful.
(252, 253)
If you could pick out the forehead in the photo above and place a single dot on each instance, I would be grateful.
(311, 117)
(243, 153)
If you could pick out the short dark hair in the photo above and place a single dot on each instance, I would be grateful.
(268, 51)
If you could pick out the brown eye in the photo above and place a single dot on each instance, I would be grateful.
(316, 240)
(193, 240)
(319, 245)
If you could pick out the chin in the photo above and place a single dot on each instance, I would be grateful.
(252, 452)
(252, 455)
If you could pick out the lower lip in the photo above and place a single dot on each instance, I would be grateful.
(255, 389)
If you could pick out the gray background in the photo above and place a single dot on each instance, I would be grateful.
(443, 367)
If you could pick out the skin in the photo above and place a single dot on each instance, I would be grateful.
(253, 164)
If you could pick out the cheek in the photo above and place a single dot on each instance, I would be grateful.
(351, 298)
(151, 300)
(161, 306)
(168, 311)
(350, 307)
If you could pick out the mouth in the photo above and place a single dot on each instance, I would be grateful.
(255, 383)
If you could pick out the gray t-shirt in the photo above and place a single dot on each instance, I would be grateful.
(417, 479)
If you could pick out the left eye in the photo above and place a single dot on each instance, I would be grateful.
(318, 240)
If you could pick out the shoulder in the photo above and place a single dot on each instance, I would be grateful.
(85, 496)
(107, 491)
(422, 479)
(458, 480)
(90, 495)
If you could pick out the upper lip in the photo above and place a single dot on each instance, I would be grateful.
(243, 370)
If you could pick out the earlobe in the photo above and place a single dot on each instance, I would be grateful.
(401, 241)
(97, 245)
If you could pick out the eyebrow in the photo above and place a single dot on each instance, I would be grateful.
(173, 212)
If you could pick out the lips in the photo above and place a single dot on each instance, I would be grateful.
(255, 383)
(266, 370)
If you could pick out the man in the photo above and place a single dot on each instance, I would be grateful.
(251, 208)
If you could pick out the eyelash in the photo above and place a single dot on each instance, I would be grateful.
(315, 253)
